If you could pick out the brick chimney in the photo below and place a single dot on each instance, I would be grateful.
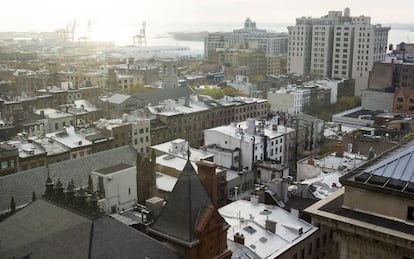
(339, 149)
(207, 174)
(238, 238)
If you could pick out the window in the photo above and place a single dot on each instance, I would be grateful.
(4, 164)
(410, 213)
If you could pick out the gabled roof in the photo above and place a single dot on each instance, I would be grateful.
(185, 207)
(48, 230)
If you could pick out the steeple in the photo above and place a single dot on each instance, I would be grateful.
(49, 186)
(189, 216)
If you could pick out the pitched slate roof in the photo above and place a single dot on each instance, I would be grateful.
(44, 231)
(22, 184)
(47, 230)
(394, 172)
(187, 202)
(125, 242)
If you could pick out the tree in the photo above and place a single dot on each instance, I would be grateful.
(12, 205)
(34, 197)
(216, 93)
(257, 78)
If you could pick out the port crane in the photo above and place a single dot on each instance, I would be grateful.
(140, 40)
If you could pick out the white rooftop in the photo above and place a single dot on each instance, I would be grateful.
(172, 107)
(325, 184)
(165, 182)
(27, 149)
(249, 217)
(87, 106)
(116, 98)
(178, 147)
(52, 147)
(53, 113)
(231, 130)
(347, 162)
(71, 139)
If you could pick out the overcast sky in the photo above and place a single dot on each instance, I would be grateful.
(37, 15)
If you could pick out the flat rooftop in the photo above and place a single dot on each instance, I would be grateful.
(249, 218)
(113, 169)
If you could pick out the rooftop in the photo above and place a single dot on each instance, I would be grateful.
(249, 218)
(331, 208)
(52, 147)
(69, 138)
(22, 184)
(27, 149)
(113, 169)
(48, 230)
(391, 172)
(178, 147)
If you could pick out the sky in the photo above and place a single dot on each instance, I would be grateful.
(184, 15)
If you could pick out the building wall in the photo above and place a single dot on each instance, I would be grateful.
(381, 76)
(370, 45)
(342, 51)
(59, 124)
(321, 58)
(8, 159)
(321, 245)
(120, 188)
(282, 102)
(377, 100)
(377, 203)
(403, 101)
(141, 135)
(300, 49)
(276, 65)
(358, 246)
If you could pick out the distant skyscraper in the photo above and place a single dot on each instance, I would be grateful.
(336, 46)
(270, 43)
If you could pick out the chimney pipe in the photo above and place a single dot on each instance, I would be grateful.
(271, 226)
(238, 238)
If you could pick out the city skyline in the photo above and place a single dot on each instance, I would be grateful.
(49, 15)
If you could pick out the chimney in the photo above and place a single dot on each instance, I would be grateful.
(339, 149)
(271, 226)
(207, 174)
(238, 238)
